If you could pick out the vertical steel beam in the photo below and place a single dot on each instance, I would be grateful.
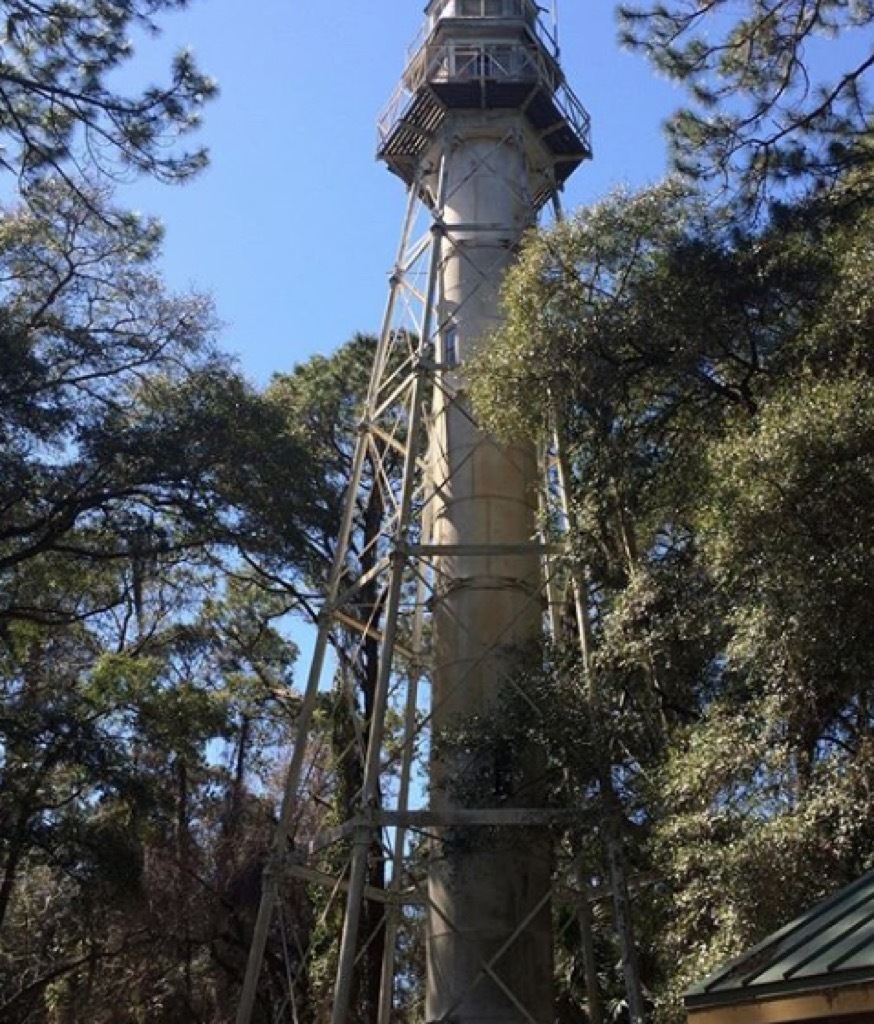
(290, 799)
(371, 792)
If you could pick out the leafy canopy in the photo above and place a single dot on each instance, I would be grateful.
(60, 111)
(778, 87)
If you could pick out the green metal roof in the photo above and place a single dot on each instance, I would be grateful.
(832, 945)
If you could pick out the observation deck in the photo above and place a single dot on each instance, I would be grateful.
(483, 55)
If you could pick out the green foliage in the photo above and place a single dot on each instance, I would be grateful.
(118, 806)
(61, 111)
(321, 401)
(767, 107)
(160, 520)
(564, 299)
(156, 513)
(744, 844)
(125, 434)
(787, 534)
(533, 746)
(145, 681)
(710, 387)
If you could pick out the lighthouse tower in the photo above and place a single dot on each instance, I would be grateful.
(491, 132)
(442, 596)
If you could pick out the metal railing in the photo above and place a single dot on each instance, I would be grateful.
(485, 62)
(527, 10)
(464, 62)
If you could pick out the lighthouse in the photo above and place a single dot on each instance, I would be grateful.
(490, 131)
(443, 595)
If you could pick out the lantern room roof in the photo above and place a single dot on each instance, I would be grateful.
(482, 8)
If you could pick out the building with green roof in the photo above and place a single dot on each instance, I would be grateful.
(818, 968)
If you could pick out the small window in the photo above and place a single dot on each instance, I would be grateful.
(484, 8)
(450, 347)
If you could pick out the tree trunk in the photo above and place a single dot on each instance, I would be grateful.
(10, 871)
(623, 916)
(610, 803)
(17, 844)
(587, 939)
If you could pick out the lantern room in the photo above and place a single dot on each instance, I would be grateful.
(438, 9)
(483, 55)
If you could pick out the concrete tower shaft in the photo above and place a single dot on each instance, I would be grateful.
(489, 934)
(487, 116)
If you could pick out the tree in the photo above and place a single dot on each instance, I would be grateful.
(765, 110)
(127, 828)
(140, 474)
(765, 798)
(141, 478)
(320, 401)
(60, 114)
(125, 433)
(709, 386)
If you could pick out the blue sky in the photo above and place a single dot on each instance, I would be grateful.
(295, 225)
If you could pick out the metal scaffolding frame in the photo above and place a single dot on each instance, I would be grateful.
(378, 599)
(394, 426)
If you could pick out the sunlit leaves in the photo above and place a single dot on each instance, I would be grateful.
(59, 114)
(769, 106)
(711, 387)
(569, 301)
(789, 535)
